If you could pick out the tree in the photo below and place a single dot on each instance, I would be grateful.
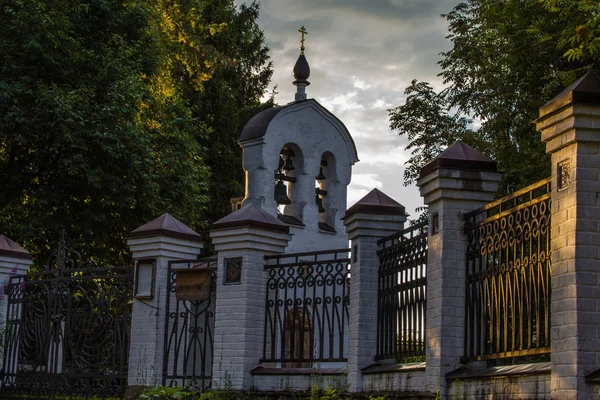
(89, 141)
(223, 68)
(504, 64)
(581, 26)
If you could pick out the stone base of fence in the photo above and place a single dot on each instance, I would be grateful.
(298, 379)
(408, 379)
(527, 381)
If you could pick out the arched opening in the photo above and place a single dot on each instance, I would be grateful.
(290, 167)
(298, 339)
(326, 182)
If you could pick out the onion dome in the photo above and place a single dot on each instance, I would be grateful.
(301, 70)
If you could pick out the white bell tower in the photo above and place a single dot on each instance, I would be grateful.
(298, 160)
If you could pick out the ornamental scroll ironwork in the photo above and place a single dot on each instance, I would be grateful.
(508, 276)
(307, 302)
(189, 332)
(68, 330)
(401, 295)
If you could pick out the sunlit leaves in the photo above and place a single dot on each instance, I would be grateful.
(506, 61)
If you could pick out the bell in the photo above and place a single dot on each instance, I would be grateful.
(289, 166)
(281, 196)
(321, 176)
(319, 202)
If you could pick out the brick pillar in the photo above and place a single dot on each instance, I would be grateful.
(14, 260)
(570, 126)
(458, 181)
(242, 239)
(373, 217)
(156, 242)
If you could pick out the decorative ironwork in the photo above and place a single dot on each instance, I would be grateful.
(307, 308)
(435, 224)
(564, 174)
(233, 270)
(508, 276)
(402, 295)
(189, 332)
(67, 330)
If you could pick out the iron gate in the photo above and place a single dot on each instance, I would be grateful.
(67, 330)
(402, 290)
(189, 331)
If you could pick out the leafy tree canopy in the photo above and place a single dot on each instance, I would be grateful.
(234, 57)
(103, 114)
(508, 58)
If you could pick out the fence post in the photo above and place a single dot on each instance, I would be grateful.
(242, 239)
(153, 245)
(373, 217)
(14, 260)
(570, 126)
(459, 180)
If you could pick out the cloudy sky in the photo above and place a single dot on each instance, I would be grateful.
(362, 55)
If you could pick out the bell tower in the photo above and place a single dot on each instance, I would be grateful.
(298, 161)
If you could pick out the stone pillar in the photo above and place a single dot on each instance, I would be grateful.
(458, 181)
(373, 217)
(242, 239)
(14, 260)
(570, 126)
(156, 242)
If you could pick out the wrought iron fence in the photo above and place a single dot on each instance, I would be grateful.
(67, 330)
(189, 331)
(402, 289)
(508, 276)
(307, 308)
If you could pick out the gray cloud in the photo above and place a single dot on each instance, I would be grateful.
(363, 54)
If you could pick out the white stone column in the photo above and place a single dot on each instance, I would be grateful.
(570, 126)
(450, 192)
(14, 260)
(242, 244)
(146, 350)
(364, 230)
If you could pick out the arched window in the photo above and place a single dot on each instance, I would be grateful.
(290, 167)
(326, 182)
(298, 339)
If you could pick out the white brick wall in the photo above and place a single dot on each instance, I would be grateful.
(573, 134)
(364, 230)
(518, 387)
(146, 351)
(449, 193)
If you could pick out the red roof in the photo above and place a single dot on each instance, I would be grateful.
(168, 226)
(461, 156)
(377, 202)
(251, 215)
(10, 248)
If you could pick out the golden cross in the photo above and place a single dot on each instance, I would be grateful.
(303, 31)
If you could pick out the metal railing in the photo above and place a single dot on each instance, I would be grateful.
(67, 330)
(402, 290)
(508, 276)
(189, 331)
(307, 300)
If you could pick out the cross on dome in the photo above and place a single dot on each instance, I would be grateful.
(301, 70)
(303, 31)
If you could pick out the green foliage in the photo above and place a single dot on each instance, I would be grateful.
(239, 67)
(581, 27)
(427, 125)
(113, 112)
(504, 64)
